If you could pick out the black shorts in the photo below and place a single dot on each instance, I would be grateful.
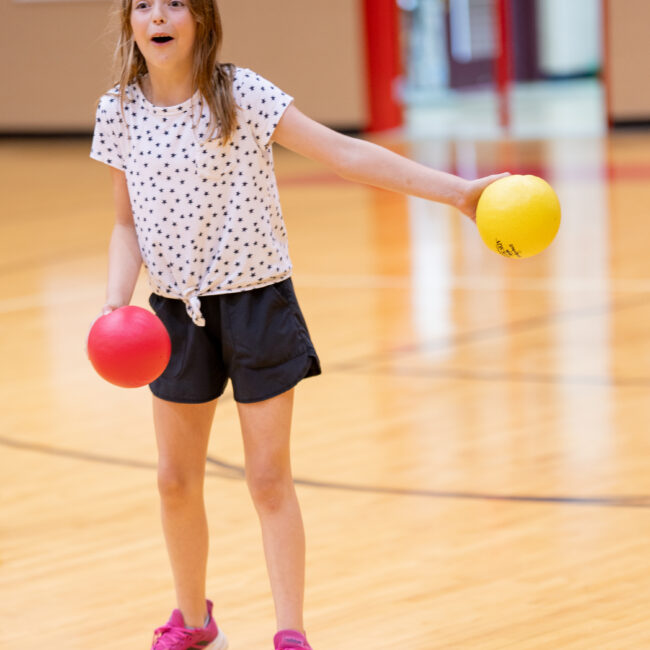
(257, 338)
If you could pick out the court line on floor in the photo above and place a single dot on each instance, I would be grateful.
(463, 374)
(471, 283)
(618, 502)
(456, 340)
(231, 471)
(605, 172)
(237, 472)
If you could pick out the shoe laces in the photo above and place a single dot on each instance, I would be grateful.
(291, 646)
(170, 638)
(285, 641)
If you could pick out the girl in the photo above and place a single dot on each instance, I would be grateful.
(188, 140)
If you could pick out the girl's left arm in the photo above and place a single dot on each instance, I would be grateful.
(364, 162)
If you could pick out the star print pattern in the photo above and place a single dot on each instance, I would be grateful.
(207, 214)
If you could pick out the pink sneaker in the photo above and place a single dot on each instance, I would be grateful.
(175, 636)
(290, 640)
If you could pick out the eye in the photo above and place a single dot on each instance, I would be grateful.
(140, 5)
(176, 3)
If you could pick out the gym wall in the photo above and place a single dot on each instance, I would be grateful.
(57, 57)
(627, 50)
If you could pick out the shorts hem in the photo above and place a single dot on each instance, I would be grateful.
(312, 370)
(183, 400)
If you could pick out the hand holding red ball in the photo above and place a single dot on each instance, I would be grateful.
(129, 347)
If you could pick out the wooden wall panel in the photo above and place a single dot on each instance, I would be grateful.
(56, 58)
(627, 51)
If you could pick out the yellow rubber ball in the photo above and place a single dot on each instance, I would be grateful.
(518, 216)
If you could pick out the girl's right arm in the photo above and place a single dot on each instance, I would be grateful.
(124, 257)
(364, 162)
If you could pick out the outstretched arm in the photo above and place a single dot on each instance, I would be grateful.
(365, 162)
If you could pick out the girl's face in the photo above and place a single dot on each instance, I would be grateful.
(164, 31)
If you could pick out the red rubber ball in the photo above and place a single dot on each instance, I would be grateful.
(129, 347)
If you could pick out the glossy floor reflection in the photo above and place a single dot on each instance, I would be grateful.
(472, 465)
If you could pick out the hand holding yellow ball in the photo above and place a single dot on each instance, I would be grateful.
(518, 216)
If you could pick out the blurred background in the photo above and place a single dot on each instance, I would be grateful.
(481, 423)
(447, 68)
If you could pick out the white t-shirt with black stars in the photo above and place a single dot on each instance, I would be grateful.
(207, 215)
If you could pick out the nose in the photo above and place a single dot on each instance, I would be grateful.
(158, 13)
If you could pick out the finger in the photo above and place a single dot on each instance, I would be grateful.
(106, 309)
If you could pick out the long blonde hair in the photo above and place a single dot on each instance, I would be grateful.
(213, 79)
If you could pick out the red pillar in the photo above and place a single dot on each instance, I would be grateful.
(382, 64)
(503, 62)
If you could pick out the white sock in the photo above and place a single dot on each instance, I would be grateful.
(205, 624)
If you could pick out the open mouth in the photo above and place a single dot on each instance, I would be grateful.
(162, 39)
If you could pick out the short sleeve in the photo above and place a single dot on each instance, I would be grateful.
(262, 103)
(109, 139)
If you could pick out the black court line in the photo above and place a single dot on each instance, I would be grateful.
(372, 363)
(482, 334)
(236, 472)
(463, 374)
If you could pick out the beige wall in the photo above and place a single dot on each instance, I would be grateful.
(313, 50)
(628, 52)
(56, 57)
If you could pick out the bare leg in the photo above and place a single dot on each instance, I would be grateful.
(266, 430)
(182, 433)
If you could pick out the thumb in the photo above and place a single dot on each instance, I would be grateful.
(483, 183)
(496, 177)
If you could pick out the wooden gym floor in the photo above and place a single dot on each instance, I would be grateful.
(473, 464)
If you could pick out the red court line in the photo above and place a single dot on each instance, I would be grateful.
(613, 172)
(629, 172)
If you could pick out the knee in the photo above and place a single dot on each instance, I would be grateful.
(175, 485)
(269, 487)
